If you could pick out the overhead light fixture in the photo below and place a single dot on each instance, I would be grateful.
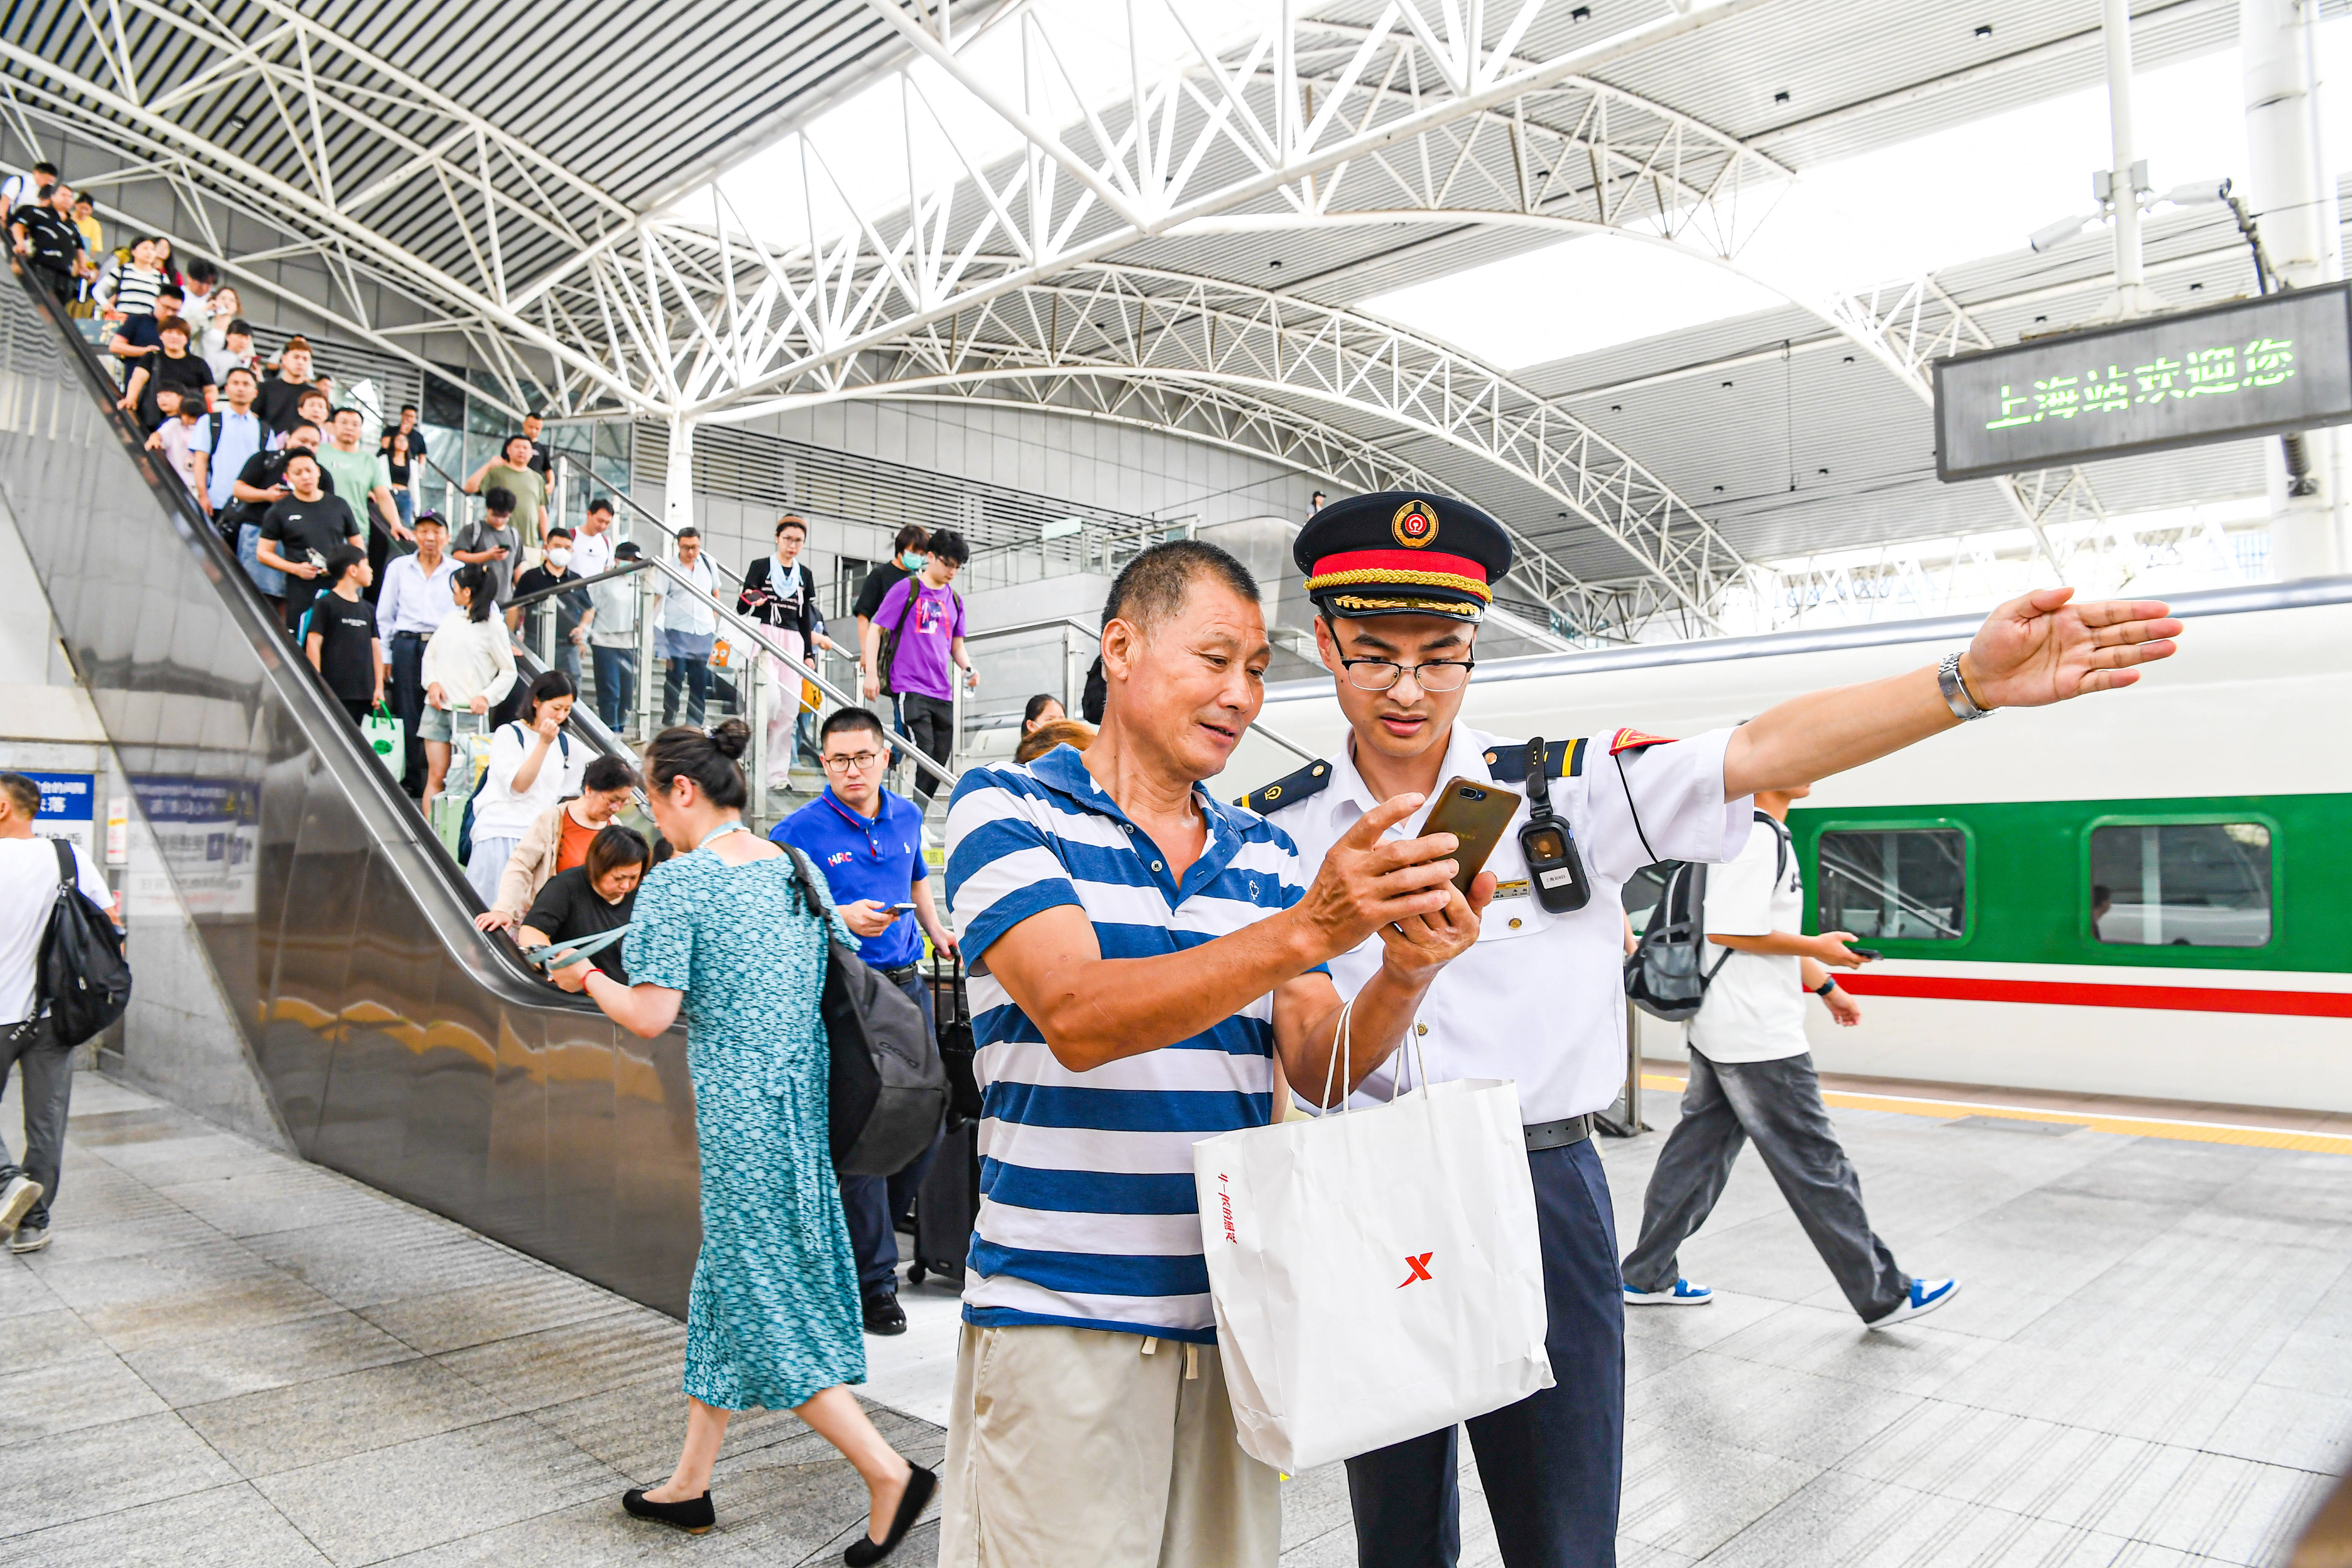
(2194, 194)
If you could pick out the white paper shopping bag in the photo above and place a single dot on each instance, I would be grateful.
(1376, 1273)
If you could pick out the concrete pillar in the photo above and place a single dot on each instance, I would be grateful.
(2291, 189)
(677, 484)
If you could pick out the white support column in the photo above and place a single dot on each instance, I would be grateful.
(2133, 296)
(2292, 192)
(677, 483)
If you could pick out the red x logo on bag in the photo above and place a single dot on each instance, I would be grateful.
(1420, 1267)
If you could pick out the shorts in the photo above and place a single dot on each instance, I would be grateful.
(434, 724)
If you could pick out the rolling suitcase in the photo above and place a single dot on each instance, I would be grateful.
(948, 1202)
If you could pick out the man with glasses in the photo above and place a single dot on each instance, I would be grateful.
(869, 843)
(1399, 583)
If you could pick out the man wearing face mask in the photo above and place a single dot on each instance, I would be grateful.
(574, 613)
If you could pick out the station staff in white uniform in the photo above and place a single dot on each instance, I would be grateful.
(1400, 582)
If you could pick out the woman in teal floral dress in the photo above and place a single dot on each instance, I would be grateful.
(721, 933)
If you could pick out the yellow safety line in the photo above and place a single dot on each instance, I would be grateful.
(2128, 1126)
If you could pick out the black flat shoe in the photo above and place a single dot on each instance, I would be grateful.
(919, 1486)
(884, 1316)
(694, 1516)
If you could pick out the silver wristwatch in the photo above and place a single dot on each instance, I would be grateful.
(1956, 690)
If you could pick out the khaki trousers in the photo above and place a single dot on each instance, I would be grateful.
(1074, 1446)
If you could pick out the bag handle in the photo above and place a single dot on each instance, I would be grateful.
(1340, 1047)
(587, 947)
(1419, 1062)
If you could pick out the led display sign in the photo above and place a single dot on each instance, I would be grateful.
(2255, 367)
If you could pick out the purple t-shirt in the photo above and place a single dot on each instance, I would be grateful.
(921, 663)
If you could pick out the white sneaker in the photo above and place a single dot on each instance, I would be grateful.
(16, 1200)
(1926, 1295)
(1684, 1294)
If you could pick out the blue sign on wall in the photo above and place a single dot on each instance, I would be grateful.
(69, 796)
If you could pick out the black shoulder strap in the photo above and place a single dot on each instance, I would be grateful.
(67, 875)
(1288, 789)
(1779, 851)
(1561, 760)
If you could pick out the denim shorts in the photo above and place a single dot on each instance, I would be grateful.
(434, 724)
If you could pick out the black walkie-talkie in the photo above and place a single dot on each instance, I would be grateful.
(1554, 871)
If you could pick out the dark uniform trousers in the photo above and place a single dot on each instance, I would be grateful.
(1551, 1464)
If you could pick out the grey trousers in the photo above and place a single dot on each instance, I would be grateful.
(1777, 1104)
(48, 1087)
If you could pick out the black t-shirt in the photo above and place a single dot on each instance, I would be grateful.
(346, 632)
(298, 529)
(538, 462)
(264, 469)
(570, 909)
(569, 607)
(188, 372)
(879, 583)
(279, 404)
(397, 463)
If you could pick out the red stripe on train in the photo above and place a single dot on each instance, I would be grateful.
(2076, 994)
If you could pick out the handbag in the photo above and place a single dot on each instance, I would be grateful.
(886, 1088)
(959, 1053)
(384, 736)
(1376, 1273)
(886, 656)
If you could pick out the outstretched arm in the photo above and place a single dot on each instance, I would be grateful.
(2030, 653)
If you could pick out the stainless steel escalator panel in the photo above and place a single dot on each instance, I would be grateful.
(396, 1044)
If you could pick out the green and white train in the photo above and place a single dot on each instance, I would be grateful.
(2146, 892)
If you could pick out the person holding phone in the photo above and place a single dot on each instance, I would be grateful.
(1751, 1078)
(870, 844)
(1399, 583)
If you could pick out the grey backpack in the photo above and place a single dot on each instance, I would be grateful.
(1667, 973)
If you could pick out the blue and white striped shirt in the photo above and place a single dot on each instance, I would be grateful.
(1088, 1215)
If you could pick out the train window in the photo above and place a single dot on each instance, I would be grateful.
(2181, 884)
(1906, 883)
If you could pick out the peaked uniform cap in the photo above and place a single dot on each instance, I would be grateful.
(1402, 553)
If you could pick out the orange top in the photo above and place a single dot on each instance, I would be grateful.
(573, 849)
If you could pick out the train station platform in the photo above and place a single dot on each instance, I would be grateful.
(229, 1357)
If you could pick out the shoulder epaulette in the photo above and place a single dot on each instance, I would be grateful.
(1635, 740)
(1562, 760)
(1288, 789)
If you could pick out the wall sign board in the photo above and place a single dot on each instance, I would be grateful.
(2253, 367)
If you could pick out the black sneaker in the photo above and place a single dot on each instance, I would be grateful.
(884, 1315)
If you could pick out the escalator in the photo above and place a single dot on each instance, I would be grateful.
(394, 1043)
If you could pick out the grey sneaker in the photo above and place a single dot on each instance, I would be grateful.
(29, 1238)
(16, 1200)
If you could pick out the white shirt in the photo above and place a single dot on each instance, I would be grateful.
(1541, 997)
(1755, 1006)
(412, 602)
(28, 885)
(502, 811)
(694, 614)
(616, 612)
(241, 436)
(592, 552)
(467, 659)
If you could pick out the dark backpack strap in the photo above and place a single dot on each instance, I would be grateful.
(67, 873)
(1779, 851)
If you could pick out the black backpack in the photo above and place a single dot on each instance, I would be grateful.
(886, 1090)
(1666, 974)
(84, 980)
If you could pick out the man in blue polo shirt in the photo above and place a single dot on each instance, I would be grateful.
(869, 843)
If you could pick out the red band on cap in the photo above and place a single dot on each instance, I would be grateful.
(1414, 561)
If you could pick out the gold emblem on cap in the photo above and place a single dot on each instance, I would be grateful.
(1415, 525)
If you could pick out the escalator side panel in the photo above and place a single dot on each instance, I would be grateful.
(394, 1042)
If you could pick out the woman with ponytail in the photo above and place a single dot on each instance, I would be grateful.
(724, 934)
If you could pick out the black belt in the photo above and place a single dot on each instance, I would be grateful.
(419, 636)
(900, 976)
(1557, 1134)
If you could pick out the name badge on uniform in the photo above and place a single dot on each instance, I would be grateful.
(1512, 890)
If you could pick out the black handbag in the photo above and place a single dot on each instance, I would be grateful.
(886, 1087)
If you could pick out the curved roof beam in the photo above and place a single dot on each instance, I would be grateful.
(1144, 325)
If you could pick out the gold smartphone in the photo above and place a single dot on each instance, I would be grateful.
(1476, 815)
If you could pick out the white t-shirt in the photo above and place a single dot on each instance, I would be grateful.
(28, 885)
(593, 554)
(499, 811)
(1755, 1006)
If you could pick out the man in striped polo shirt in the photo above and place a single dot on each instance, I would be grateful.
(1141, 956)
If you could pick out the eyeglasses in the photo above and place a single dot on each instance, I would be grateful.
(852, 762)
(1379, 674)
